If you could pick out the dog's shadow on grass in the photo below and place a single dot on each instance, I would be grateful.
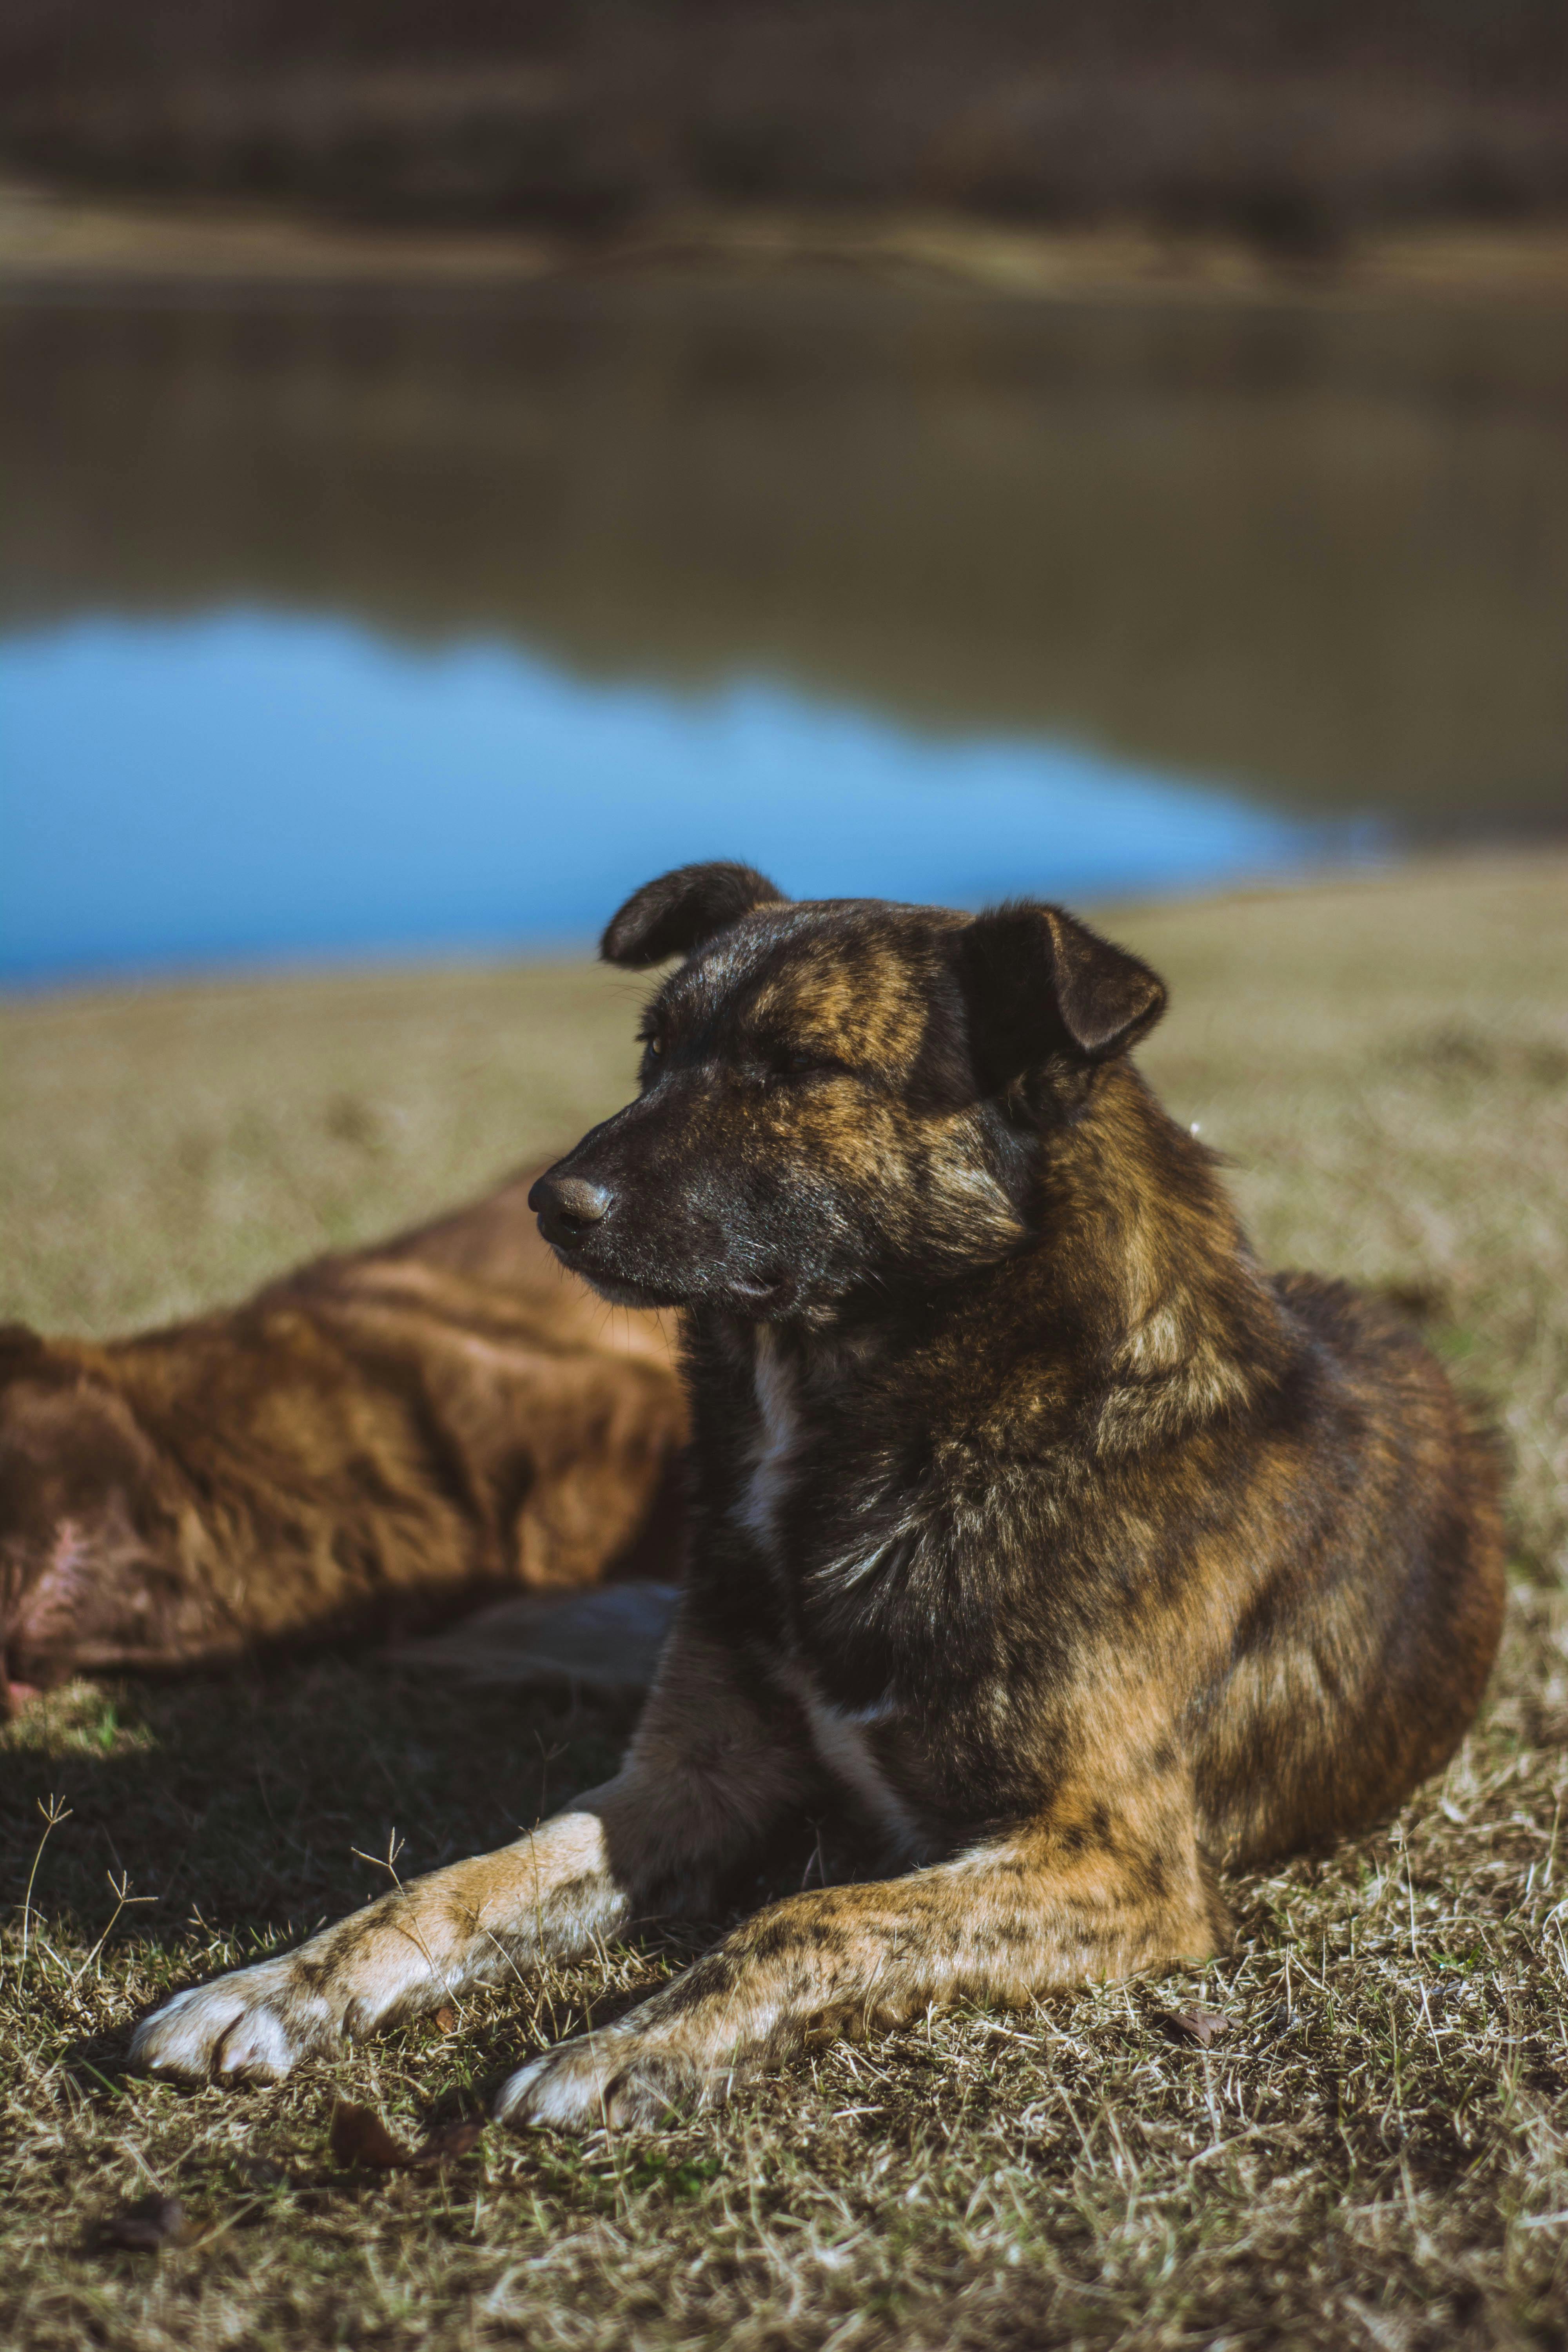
(236, 1813)
(212, 1820)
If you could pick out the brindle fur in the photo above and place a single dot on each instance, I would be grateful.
(1029, 1520)
(376, 1440)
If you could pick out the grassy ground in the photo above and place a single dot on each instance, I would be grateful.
(1373, 2152)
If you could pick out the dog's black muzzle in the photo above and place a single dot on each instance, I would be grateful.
(589, 1215)
(569, 1209)
(633, 1210)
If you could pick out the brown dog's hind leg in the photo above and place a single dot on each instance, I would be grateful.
(1055, 1905)
(706, 1775)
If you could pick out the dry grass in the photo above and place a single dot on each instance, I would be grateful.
(1374, 2154)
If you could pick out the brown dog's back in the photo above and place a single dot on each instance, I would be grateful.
(370, 1443)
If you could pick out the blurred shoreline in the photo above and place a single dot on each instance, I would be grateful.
(1346, 896)
(55, 242)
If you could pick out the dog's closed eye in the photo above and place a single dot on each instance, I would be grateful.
(804, 1061)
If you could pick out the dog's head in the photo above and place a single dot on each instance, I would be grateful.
(840, 1099)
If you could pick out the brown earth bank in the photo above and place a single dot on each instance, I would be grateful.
(56, 238)
(1290, 126)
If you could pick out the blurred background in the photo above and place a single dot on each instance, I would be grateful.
(461, 458)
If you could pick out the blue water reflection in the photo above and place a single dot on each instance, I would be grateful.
(253, 786)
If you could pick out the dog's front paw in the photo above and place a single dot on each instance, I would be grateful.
(610, 2080)
(251, 2026)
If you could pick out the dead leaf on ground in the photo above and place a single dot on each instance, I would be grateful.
(146, 2226)
(1202, 2026)
(359, 2136)
(444, 2020)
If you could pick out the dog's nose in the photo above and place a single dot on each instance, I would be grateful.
(568, 1207)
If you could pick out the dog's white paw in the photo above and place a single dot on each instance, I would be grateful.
(613, 2080)
(553, 2091)
(251, 2026)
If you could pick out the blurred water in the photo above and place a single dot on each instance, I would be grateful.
(251, 785)
(329, 630)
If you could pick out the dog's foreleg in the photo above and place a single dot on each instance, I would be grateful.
(706, 1773)
(1053, 1906)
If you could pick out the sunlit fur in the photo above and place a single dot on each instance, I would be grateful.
(1031, 1524)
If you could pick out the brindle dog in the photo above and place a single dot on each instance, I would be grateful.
(1030, 1519)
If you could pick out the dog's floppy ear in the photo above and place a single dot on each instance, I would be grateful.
(682, 910)
(1041, 984)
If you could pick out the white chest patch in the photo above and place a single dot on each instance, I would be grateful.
(838, 1736)
(774, 1455)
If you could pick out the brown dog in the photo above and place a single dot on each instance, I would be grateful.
(375, 1441)
(1030, 1519)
